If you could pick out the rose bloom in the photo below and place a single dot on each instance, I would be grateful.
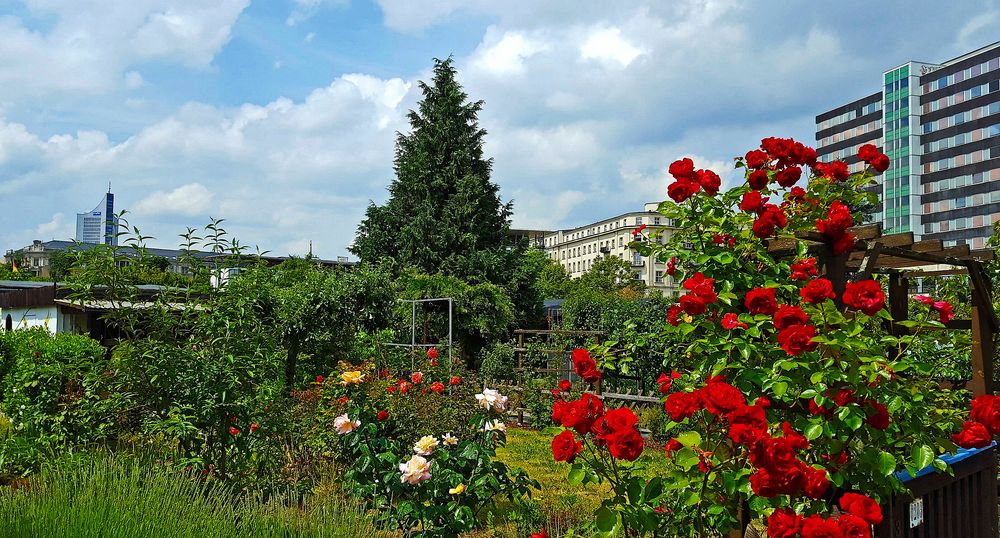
(758, 179)
(565, 385)
(351, 378)
(254, 427)
(681, 190)
(986, 411)
(565, 447)
(797, 339)
(752, 202)
(730, 321)
(783, 523)
(867, 152)
(816, 482)
(233, 431)
(425, 445)
(880, 163)
(682, 168)
(450, 439)
(455, 380)
(862, 506)
(789, 316)
(693, 304)
(973, 435)
(853, 526)
(625, 445)
(585, 366)
(437, 387)
(788, 176)
(343, 424)
(415, 471)
(432, 353)
(495, 425)
(417, 377)
(672, 315)
(817, 291)
(756, 159)
(864, 295)
(761, 301)
(710, 181)
(804, 269)
(319, 379)
(815, 526)
(491, 399)
(681, 405)
(382, 415)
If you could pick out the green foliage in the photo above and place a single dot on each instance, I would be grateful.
(498, 362)
(58, 391)
(610, 274)
(554, 281)
(132, 497)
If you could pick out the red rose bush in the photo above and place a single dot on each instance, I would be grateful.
(804, 399)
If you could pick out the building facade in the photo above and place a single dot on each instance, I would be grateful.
(940, 126)
(98, 225)
(577, 249)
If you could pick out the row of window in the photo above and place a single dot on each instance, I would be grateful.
(957, 98)
(962, 202)
(963, 138)
(851, 133)
(974, 71)
(977, 221)
(962, 181)
(959, 160)
(655, 221)
(962, 117)
(850, 115)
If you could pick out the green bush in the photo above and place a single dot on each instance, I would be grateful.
(128, 497)
(498, 362)
(58, 392)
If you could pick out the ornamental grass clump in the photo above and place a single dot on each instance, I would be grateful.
(804, 399)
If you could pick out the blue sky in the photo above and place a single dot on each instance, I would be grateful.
(280, 116)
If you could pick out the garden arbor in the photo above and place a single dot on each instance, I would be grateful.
(965, 503)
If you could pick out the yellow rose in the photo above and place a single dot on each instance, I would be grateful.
(457, 489)
(351, 378)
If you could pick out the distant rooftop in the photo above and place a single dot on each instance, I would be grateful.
(171, 254)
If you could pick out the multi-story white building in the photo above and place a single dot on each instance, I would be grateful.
(577, 249)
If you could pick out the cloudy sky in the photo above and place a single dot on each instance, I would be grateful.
(280, 116)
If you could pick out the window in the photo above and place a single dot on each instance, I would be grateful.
(656, 220)
(659, 277)
(636, 258)
(638, 221)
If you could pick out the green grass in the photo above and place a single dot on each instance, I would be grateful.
(563, 507)
(125, 497)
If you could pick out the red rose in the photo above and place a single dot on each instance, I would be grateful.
(945, 310)
(540, 534)
(815, 526)
(673, 445)
(880, 163)
(672, 314)
(732, 321)
(986, 411)
(565, 385)
(417, 377)
(621, 419)
(390, 389)
(404, 386)
(343, 400)
(838, 219)
(775, 453)
(758, 179)
(853, 526)
(842, 243)
(710, 181)
(664, 382)
(581, 414)
(233, 431)
(862, 506)
(788, 316)
(752, 202)
(797, 194)
(804, 269)
(565, 447)
(672, 265)
(756, 159)
(437, 387)
(432, 353)
(254, 427)
(703, 287)
(319, 379)
(382, 415)
(788, 176)
(625, 445)
(817, 291)
(836, 170)
(720, 397)
(777, 147)
(584, 366)
(747, 424)
(455, 380)
(865, 295)
(681, 405)
(770, 219)
(843, 397)
(797, 339)
(682, 168)
(973, 435)
(693, 304)
(778, 481)
(761, 301)
(816, 483)
(867, 152)
(681, 190)
(783, 523)
(803, 154)
(878, 415)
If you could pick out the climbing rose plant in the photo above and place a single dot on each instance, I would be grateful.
(805, 400)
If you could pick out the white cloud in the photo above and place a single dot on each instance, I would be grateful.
(607, 45)
(90, 44)
(504, 55)
(57, 228)
(190, 200)
(134, 80)
(305, 9)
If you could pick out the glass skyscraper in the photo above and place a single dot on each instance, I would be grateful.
(940, 126)
(98, 225)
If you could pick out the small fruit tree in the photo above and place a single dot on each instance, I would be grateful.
(801, 406)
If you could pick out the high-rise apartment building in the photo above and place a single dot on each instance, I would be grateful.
(940, 126)
(98, 225)
(578, 248)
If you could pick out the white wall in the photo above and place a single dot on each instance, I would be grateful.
(26, 318)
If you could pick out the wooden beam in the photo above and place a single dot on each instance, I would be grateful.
(870, 261)
(982, 354)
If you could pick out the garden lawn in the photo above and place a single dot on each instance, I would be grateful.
(563, 507)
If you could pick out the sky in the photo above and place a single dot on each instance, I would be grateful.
(280, 116)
